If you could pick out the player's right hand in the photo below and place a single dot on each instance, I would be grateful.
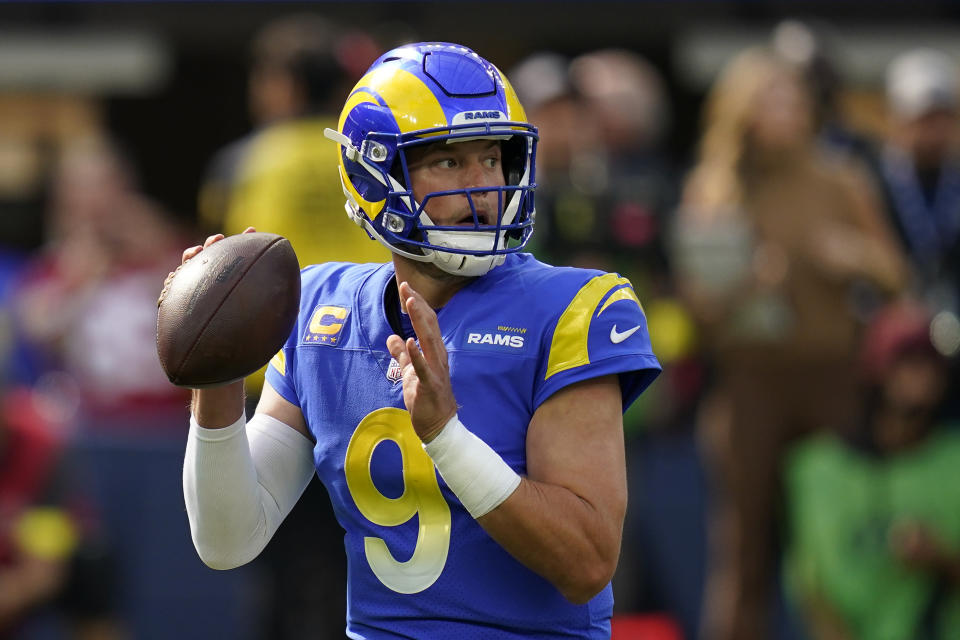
(213, 407)
(190, 253)
(217, 237)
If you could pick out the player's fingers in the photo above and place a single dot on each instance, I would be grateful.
(211, 239)
(425, 324)
(166, 286)
(249, 230)
(189, 253)
(400, 353)
(397, 349)
(407, 291)
(419, 363)
(394, 345)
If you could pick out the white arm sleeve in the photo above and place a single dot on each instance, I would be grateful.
(239, 483)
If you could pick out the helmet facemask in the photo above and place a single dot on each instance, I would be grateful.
(436, 93)
(498, 219)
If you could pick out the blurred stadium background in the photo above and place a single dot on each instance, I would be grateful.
(112, 116)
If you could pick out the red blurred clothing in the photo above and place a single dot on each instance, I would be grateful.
(100, 329)
(29, 454)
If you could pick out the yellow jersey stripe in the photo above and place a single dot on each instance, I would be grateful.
(279, 362)
(569, 346)
(626, 293)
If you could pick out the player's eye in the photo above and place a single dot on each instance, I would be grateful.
(491, 162)
(445, 163)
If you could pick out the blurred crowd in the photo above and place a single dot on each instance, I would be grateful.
(792, 471)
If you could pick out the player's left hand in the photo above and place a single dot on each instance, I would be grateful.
(427, 391)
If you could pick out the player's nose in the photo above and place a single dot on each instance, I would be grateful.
(476, 174)
(478, 177)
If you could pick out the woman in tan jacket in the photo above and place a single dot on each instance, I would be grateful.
(779, 250)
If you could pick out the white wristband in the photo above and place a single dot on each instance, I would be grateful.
(476, 474)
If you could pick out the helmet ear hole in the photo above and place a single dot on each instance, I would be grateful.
(369, 189)
(396, 172)
(513, 159)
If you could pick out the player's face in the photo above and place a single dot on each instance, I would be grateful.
(461, 165)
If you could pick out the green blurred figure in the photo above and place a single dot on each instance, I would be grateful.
(874, 519)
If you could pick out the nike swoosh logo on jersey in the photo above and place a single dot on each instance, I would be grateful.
(616, 337)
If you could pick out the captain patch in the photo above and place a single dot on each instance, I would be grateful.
(326, 325)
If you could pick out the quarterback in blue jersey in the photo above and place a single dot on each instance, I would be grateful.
(462, 403)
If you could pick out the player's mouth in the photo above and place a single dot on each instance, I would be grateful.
(483, 219)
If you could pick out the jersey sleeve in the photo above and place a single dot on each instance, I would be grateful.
(280, 374)
(280, 370)
(602, 331)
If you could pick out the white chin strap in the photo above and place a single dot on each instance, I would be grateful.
(469, 265)
(458, 263)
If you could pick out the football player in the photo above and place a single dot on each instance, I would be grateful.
(461, 403)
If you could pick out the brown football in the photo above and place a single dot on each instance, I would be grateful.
(228, 310)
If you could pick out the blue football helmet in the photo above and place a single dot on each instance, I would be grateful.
(427, 93)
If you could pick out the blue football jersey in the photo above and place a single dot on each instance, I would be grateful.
(419, 565)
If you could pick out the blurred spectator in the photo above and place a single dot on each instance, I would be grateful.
(33, 128)
(809, 45)
(88, 301)
(628, 94)
(604, 186)
(874, 518)
(543, 85)
(772, 243)
(279, 178)
(51, 554)
(919, 168)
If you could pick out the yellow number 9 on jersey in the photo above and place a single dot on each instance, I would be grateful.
(421, 497)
